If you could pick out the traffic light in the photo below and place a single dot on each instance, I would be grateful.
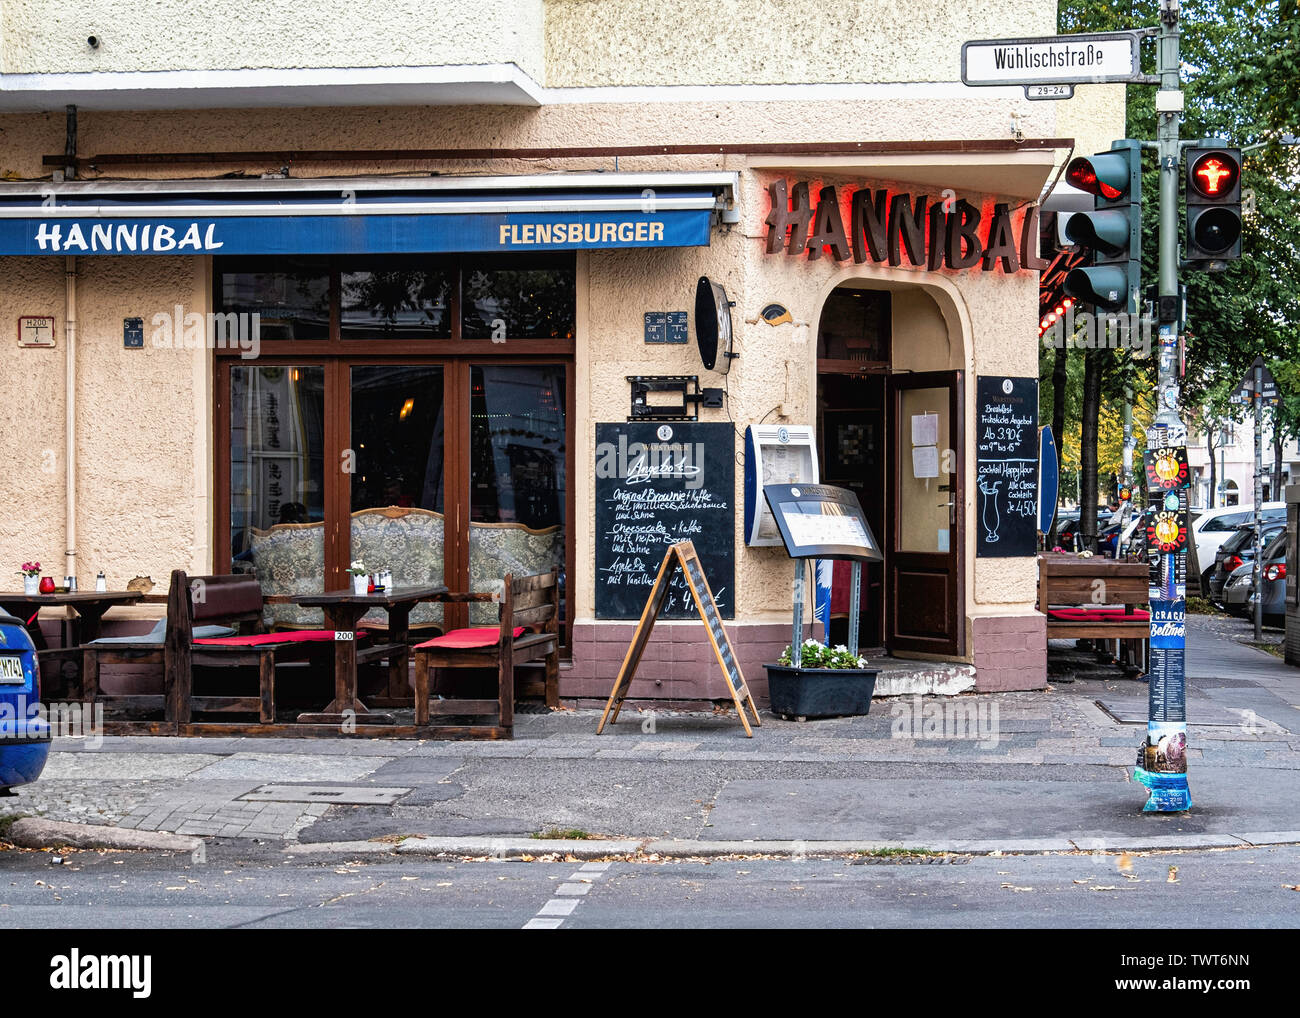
(1213, 207)
(1113, 230)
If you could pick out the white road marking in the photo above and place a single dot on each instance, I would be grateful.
(554, 912)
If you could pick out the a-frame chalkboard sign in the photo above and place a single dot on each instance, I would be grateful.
(682, 556)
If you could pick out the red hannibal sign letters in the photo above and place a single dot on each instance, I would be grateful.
(884, 226)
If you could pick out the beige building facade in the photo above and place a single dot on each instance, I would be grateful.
(133, 458)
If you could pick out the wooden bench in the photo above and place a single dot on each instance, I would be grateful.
(1098, 599)
(233, 600)
(527, 631)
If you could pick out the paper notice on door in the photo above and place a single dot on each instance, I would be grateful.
(925, 430)
(925, 461)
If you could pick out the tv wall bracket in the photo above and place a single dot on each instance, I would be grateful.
(686, 386)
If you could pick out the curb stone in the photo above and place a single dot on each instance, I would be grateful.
(341, 847)
(33, 833)
(514, 847)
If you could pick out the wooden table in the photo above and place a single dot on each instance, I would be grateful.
(343, 610)
(90, 606)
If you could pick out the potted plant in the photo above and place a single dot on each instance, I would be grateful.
(360, 578)
(827, 681)
(31, 577)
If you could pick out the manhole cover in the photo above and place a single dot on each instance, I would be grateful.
(338, 795)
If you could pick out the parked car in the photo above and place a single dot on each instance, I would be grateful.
(1214, 526)
(1236, 550)
(24, 732)
(1067, 533)
(1067, 525)
(1239, 593)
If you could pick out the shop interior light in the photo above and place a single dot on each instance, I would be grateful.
(1060, 310)
(1068, 302)
(405, 412)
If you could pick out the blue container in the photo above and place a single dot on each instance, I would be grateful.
(24, 731)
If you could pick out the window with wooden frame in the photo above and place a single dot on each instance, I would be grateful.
(414, 411)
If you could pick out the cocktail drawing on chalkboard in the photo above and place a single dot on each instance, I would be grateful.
(991, 518)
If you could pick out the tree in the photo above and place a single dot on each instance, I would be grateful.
(1241, 81)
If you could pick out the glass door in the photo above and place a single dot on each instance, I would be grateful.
(926, 524)
(518, 483)
(395, 465)
(278, 483)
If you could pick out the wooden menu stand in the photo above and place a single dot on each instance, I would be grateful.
(683, 556)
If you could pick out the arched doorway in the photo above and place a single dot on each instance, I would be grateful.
(890, 427)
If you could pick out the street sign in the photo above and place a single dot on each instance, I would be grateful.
(1054, 60)
(1267, 385)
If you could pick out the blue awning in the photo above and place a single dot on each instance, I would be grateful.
(560, 212)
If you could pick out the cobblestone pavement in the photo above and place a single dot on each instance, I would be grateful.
(662, 772)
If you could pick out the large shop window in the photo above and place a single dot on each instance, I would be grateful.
(409, 413)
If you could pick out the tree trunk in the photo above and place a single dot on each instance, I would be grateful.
(1058, 427)
(1210, 497)
(1275, 492)
(1088, 448)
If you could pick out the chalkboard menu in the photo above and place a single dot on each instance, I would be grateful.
(1006, 466)
(658, 484)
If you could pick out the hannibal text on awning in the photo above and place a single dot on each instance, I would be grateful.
(551, 212)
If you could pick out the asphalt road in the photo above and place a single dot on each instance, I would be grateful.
(236, 888)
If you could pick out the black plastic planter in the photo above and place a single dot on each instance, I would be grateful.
(820, 692)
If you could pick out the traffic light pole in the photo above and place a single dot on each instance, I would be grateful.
(1162, 760)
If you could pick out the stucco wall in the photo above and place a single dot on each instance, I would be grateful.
(143, 422)
(630, 42)
(163, 35)
(970, 113)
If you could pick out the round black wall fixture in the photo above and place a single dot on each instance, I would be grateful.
(713, 325)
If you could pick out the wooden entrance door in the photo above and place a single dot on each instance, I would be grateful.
(926, 523)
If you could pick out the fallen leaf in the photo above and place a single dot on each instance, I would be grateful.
(1173, 875)
(1125, 862)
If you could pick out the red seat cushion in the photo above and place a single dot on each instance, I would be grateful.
(464, 639)
(1098, 615)
(263, 639)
